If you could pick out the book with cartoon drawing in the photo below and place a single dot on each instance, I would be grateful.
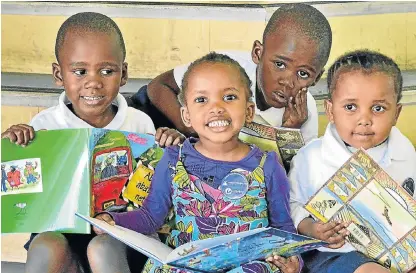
(214, 254)
(285, 141)
(65, 171)
(382, 213)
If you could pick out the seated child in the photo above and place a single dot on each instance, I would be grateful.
(295, 48)
(90, 52)
(192, 178)
(364, 93)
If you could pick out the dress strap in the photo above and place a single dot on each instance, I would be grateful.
(263, 159)
(258, 173)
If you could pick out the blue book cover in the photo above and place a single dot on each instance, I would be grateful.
(215, 254)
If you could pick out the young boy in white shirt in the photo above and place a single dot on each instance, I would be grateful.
(365, 89)
(295, 48)
(91, 67)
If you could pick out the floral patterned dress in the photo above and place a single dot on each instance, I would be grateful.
(202, 212)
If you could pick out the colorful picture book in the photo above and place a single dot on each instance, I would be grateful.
(382, 213)
(214, 254)
(285, 141)
(75, 170)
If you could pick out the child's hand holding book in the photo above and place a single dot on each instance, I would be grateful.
(286, 265)
(106, 218)
(332, 232)
(20, 134)
(167, 137)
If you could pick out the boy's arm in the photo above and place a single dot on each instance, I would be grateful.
(162, 92)
(300, 177)
(298, 189)
(150, 217)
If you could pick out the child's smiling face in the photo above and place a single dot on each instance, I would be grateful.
(91, 70)
(286, 63)
(216, 102)
(363, 108)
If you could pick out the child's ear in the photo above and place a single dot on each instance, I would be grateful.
(328, 110)
(256, 52)
(398, 111)
(318, 77)
(124, 74)
(57, 75)
(250, 112)
(185, 116)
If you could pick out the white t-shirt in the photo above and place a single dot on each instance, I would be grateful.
(126, 118)
(272, 116)
(316, 162)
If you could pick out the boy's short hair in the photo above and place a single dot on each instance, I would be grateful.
(89, 21)
(367, 62)
(308, 21)
(214, 58)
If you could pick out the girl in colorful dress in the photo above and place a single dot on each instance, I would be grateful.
(216, 184)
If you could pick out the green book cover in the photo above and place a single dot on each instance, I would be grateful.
(45, 183)
(73, 170)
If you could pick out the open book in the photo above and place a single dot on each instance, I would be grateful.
(73, 170)
(383, 214)
(220, 253)
(285, 141)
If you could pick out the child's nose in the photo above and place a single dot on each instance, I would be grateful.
(217, 108)
(365, 118)
(287, 80)
(94, 82)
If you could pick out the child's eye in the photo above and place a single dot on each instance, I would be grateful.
(350, 107)
(280, 65)
(200, 100)
(303, 74)
(106, 71)
(230, 97)
(378, 108)
(80, 72)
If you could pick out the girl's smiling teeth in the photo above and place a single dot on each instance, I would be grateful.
(219, 123)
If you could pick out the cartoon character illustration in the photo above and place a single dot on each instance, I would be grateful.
(29, 172)
(13, 177)
(386, 215)
(122, 159)
(152, 156)
(3, 178)
(22, 207)
(109, 170)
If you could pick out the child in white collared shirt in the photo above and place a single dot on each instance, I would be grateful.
(364, 89)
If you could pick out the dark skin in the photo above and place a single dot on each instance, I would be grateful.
(91, 68)
(286, 65)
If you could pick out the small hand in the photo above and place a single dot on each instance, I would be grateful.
(332, 232)
(106, 218)
(286, 265)
(296, 112)
(19, 134)
(167, 137)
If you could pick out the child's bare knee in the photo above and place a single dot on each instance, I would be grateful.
(49, 250)
(50, 243)
(103, 245)
(371, 267)
(105, 248)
